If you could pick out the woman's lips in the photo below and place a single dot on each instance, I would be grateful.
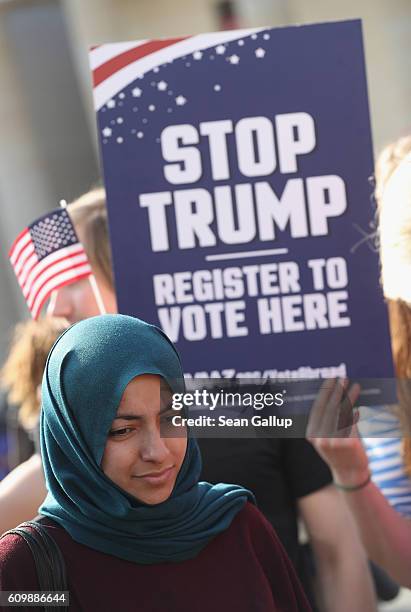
(157, 478)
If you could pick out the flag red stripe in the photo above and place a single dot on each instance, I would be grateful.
(52, 263)
(16, 241)
(62, 266)
(23, 258)
(101, 73)
(35, 312)
(57, 283)
(27, 268)
(31, 298)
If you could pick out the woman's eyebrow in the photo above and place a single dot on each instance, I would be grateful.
(130, 417)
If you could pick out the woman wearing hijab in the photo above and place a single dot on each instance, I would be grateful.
(135, 527)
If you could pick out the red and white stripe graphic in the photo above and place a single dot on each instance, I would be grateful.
(39, 277)
(115, 66)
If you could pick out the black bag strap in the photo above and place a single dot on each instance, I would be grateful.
(49, 562)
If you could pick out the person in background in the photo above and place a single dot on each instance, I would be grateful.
(135, 527)
(288, 477)
(389, 450)
(21, 377)
(77, 301)
(383, 515)
(291, 482)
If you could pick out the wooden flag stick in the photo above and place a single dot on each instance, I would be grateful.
(97, 294)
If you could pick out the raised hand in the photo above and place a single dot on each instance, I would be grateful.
(332, 431)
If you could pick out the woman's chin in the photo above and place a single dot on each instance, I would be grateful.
(152, 498)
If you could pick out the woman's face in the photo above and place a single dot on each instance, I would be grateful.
(76, 301)
(136, 457)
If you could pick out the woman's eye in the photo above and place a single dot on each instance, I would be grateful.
(121, 432)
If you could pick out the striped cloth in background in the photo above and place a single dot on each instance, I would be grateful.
(381, 433)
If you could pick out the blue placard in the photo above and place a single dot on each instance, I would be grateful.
(237, 167)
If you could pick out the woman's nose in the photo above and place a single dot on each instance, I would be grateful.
(60, 304)
(154, 448)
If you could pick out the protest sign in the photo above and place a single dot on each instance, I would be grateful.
(237, 167)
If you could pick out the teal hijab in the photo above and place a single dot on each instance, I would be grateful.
(86, 374)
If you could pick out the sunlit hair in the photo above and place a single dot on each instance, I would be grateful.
(89, 216)
(393, 194)
(388, 160)
(22, 372)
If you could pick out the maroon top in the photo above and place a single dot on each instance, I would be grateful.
(244, 569)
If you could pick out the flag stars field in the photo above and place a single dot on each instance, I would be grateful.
(181, 100)
(232, 52)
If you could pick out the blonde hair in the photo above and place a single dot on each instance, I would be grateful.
(89, 216)
(393, 195)
(22, 372)
(388, 161)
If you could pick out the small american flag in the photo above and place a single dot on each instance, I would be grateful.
(47, 255)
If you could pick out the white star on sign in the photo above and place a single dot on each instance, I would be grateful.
(107, 132)
(136, 92)
(111, 104)
(220, 49)
(151, 108)
(260, 53)
(180, 100)
(197, 55)
(162, 86)
(234, 59)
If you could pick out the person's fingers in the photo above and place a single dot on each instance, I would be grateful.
(354, 433)
(332, 411)
(346, 414)
(320, 408)
(331, 415)
(354, 393)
